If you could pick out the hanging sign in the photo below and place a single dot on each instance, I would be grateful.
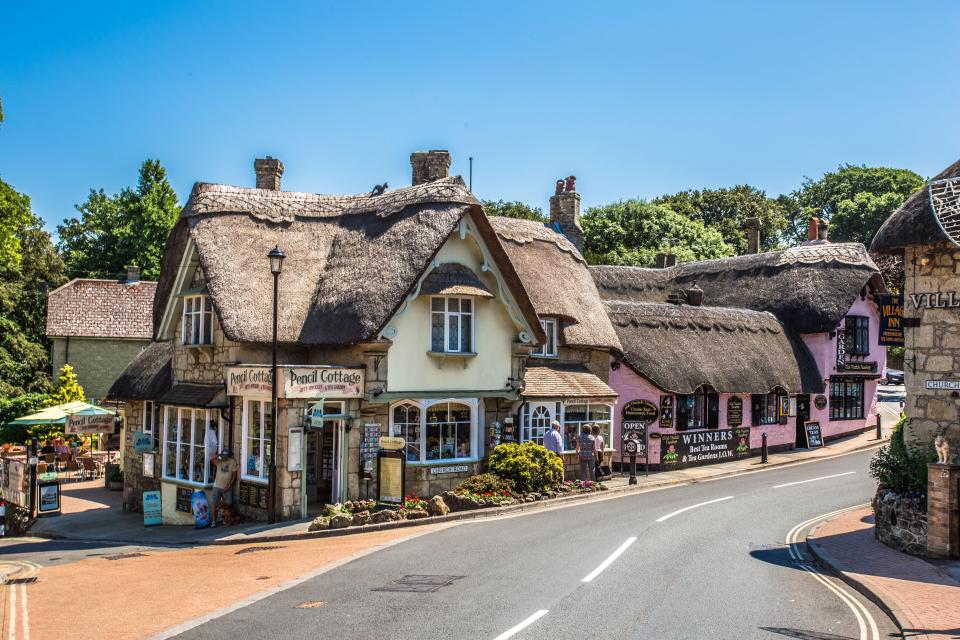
(142, 442)
(642, 410)
(86, 424)
(734, 411)
(295, 382)
(666, 412)
(152, 511)
(691, 449)
(891, 320)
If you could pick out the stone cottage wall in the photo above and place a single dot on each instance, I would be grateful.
(901, 522)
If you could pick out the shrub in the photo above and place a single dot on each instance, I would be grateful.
(529, 466)
(900, 467)
(13, 408)
(485, 483)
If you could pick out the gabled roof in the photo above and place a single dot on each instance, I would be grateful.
(351, 260)
(809, 288)
(913, 223)
(91, 308)
(148, 376)
(558, 280)
(680, 348)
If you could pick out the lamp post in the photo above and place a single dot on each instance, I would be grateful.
(276, 257)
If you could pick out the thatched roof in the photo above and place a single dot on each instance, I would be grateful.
(452, 279)
(148, 376)
(351, 260)
(913, 223)
(558, 280)
(809, 288)
(680, 348)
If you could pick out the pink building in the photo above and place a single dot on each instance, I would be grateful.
(725, 350)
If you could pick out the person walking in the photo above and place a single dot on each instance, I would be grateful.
(553, 441)
(586, 454)
(226, 475)
(598, 450)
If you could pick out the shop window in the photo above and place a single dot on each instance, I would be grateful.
(577, 416)
(846, 399)
(765, 409)
(257, 432)
(197, 327)
(857, 335)
(407, 425)
(549, 348)
(699, 410)
(449, 426)
(187, 451)
(535, 420)
(148, 418)
(451, 325)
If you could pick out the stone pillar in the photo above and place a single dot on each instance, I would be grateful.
(430, 165)
(565, 213)
(943, 510)
(269, 171)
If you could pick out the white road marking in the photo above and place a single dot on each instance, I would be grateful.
(836, 475)
(12, 630)
(26, 618)
(613, 556)
(693, 506)
(512, 631)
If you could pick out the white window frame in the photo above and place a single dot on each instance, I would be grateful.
(193, 447)
(147, 425)
(549, 348)
(448, 315)
(606, 425)
(396, 432)
(201, 313)
(424, 406)
(264, 476)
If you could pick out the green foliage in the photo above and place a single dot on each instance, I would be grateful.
(727, 210)
(855, 199)
(15, 216)
(129, 228)
(632, 232)
(513, 210)
(529, 466)
(67, 389)
(23, 405)
(23, 363)
(485, 483)
(901, 467)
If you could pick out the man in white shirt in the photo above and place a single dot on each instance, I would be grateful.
(553, 440)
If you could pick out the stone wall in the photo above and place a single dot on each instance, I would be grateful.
(134, 482)
(943, 496)
(901, 522)
(96, 361)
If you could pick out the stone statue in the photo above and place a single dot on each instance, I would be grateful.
(943, 450)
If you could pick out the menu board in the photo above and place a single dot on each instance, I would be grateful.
(253, 495)
(183, 499)
(814, 437)
(666, 412)
(390, 477)
(734, 411)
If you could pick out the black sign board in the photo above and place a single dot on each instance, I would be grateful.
(253, 495)
(640, 410)
(859, 367)
(183, 499)
(814, 437)
(634, 432)
(695, 448)
(841, 350)
(666, 412)
(734, 411)
(891, 320)
(48, 497)
(820, 402)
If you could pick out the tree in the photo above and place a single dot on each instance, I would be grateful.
(68, 389)
(15, 215)
(727, 211)
(41, 271)
(632, 232)
(129, 228)
(513, 210)
(855, 199)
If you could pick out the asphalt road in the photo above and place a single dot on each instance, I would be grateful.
(630, 567)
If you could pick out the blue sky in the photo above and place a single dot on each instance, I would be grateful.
(635, 98)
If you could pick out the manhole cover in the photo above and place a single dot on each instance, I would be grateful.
(124, 556)
(256, 549)
(311, 604)
(419, 583)
(30, 580)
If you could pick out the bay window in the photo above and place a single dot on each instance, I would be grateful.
(436, 430)
(451, 325)
(186, 456)
(578, 415)
(197, 323)
(257, 430)
(846, 399)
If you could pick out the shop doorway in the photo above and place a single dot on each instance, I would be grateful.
(324, 465)
(803, 416)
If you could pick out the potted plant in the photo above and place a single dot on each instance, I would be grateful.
(113, 476)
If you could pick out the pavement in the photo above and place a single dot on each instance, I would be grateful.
(920, 596)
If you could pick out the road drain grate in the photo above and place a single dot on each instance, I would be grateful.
(310, 604)
(419, 583)
(256, 549)
(29, 580)
(124, 556)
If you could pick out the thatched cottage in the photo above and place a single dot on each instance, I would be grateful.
(407, 314)
(736, 347)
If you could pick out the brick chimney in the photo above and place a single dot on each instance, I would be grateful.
(565, 211)
(813, 228)
(430, 165)
(133, 274)
(752, 228)
(664, 260)
(269, 171)
(823, 231)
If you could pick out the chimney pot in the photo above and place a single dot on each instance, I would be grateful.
(823, 231)
(813, 228)
(133, 274)
(559, 188)
(269, 171)
(565, 212)
(430, 165)
(571, 184)
(660, 261)
(752, 226)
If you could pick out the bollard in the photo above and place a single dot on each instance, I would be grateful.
(878, 426)
(763, 448)
(3, 517)
(633, 469)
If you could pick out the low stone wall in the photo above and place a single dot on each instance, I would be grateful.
(901, 522)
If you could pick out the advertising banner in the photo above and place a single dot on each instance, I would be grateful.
(87, 424)
(695, 448)
(295, 382)
(13, 481)
(142, 442)
(152, 512)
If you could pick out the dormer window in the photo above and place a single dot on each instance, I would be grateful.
(451, 325)
(549, 348)
(197, 327)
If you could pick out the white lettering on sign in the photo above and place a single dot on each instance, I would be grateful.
(296, 382)
(457, 468)
(943, 384)
(935, 300)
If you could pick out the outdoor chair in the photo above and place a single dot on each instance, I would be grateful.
(41, 467)
(74, 467)
(50, 458)
(91, 467)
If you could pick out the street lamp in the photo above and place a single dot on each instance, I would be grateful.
(276, 257)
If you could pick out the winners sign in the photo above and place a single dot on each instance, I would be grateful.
(695, 448)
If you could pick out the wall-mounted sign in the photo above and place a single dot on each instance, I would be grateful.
(86, 424)
(841, 350)
(148, 463)
(734, 411)
(950, 385)
(152, 511)
(392, 443)
(891, 320)
(295, 382)
(642, 410)
(694, 448)
(457, 468)
(784, 406)
(183, 499)
(666, 412)
(295, 449)
(935, 300)
(812, 432)
(142, 442)
(820, 402)
(253, 495)
(859, 367)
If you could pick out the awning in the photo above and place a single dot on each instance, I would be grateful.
(195, 395)
(452, 279)
(60, 413)
(564, 381)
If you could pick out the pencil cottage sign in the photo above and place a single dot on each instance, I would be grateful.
(295, 382)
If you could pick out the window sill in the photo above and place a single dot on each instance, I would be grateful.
(443, 357)
(444, 462)
(186, 483)
(549, 356)
(197, 346)
(254, 479)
